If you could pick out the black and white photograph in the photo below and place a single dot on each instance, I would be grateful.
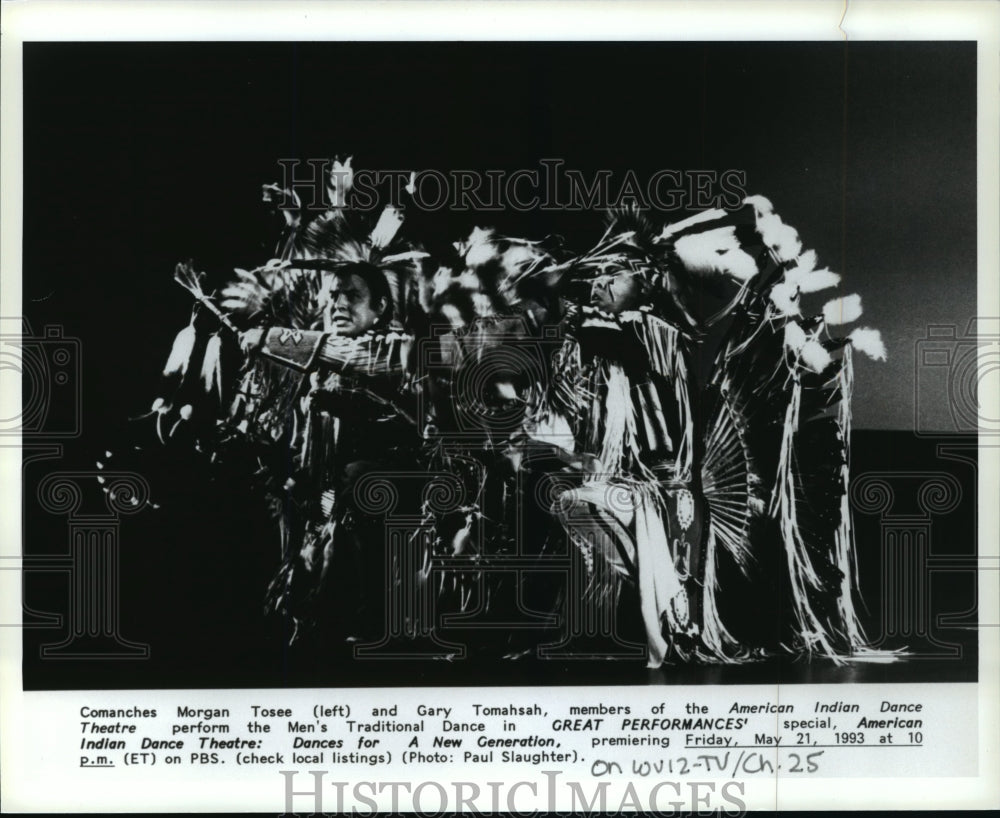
(622, 337)
(440, 364)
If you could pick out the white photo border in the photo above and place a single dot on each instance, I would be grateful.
(32, 789)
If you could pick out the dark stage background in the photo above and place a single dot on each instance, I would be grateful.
(139, 155)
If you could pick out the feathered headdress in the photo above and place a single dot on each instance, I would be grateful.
(628, 244)
(777, 436)
(489, 275)
(290, 289)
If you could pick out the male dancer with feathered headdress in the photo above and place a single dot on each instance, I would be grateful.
(326, 395)
(702, 490)
(621, 383)
(744, 475)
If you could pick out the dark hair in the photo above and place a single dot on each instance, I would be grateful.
(375, 280)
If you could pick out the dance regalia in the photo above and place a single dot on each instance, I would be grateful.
(353, 415)
(722, 499)
(774, 426)
(622, 385)
(336, 407)
(739, 487)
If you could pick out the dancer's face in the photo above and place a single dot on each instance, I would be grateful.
(617, 292)
(350, 308)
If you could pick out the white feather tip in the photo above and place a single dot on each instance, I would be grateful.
(386, 228)
(842, 310)
(868, 341)
(815, 356)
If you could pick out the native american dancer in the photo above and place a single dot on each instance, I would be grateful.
(698, 480)
(620, 382)
(324, 397)
(356, 417)
(704, 486)
(486, 360)
(775, 428)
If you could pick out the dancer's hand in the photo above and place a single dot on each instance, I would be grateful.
(251, 340)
